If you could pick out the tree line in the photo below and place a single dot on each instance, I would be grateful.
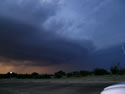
(114, 70)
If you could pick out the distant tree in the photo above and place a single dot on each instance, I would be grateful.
(10, 75)
(121, 72)
(45, 76)
(115, 69)
(21, 76)
(85, 73)
(35, 74)
(70, 74)
(76, 74)
(59, 74)
(100, 71)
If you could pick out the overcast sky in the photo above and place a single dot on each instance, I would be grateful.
(70, 35)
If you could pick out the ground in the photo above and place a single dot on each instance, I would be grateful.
(61, 86)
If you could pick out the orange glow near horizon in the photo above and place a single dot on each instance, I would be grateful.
(25, 69)
(21, 68)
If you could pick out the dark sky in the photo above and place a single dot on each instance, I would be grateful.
(50, 35)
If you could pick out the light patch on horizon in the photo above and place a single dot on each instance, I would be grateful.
(25, 69)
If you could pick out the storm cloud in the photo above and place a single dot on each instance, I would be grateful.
(51, 32)
(24, 42)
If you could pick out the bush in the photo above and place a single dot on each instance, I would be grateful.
(59, 74)
(69, 74)
(100, 72)
(85, 73)
(115, 69)
(34, 74)
(76, 74)
(121, 71)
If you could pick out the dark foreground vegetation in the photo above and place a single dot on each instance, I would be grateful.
(114, 70)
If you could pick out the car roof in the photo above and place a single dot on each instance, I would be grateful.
(119, 85)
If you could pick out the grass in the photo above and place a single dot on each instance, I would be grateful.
(100, 79)
(5, 91)
(105, 78)
(18, 85)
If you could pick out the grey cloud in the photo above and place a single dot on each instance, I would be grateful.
(22, 42)
(101, 21)
(28, 11)
(59, 32)
(110, 25)
(108, 57)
